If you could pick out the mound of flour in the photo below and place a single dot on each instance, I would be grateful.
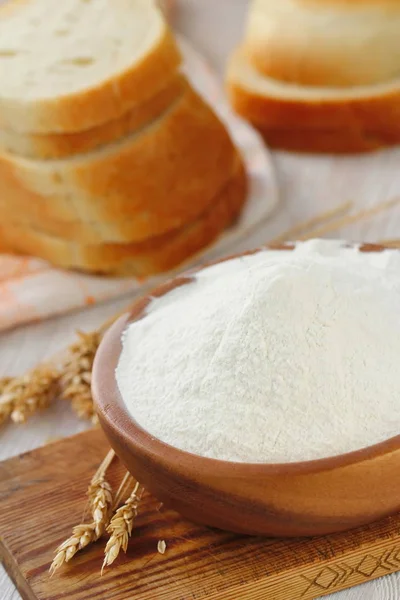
(276, 357)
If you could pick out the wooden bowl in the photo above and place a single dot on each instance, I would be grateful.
(294, 499)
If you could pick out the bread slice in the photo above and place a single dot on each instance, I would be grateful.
(73, 65)
(62, 145)
(309, 118)
(87, 233)
(141, 186)
(325, 43)
(141, 259)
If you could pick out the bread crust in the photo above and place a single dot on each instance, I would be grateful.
(61, 145)
(114, 193)
(325, 142)
(352, 3)
(99, 104)
(142, 259)
(345, 124)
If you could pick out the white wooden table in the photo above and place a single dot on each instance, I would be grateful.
(308, 185)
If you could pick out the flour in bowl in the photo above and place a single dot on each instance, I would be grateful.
(279, 356)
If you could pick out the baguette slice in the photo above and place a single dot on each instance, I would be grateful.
(73, 65)
(141, 186)
(319, 119)
(142, 259)
(62, 145)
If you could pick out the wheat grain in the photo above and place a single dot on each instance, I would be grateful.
(15, 393)
(121, 524)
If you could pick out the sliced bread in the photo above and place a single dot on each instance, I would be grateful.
(141, 259)
(62, 145)
(149, 182)
(73, 65)
(310, 118)
(325, 43)
(87, 233)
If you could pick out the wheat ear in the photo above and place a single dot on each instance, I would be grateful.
(77, 375)
(100, 497)
(87, 533)
(21, 397)
(82, 536)
(33, 392)
(121, 524)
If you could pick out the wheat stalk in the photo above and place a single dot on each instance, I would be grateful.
(100, 498)
(349, 220)
(332, 220)
(390, 243)
(121, 524)
(310, 224)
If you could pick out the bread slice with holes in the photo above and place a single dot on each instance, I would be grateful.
(147, 183)
(140, 259)
(73, 65)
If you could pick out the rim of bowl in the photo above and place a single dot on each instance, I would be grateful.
(112, 409)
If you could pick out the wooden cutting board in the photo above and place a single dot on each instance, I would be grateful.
(42, 495)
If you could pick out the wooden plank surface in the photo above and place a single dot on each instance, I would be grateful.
(42, 495)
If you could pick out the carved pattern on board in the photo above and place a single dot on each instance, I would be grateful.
(337, 574)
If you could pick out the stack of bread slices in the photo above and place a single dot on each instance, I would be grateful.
(320, 75)
(110, 162)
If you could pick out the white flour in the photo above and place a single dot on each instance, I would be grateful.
(276, 357)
